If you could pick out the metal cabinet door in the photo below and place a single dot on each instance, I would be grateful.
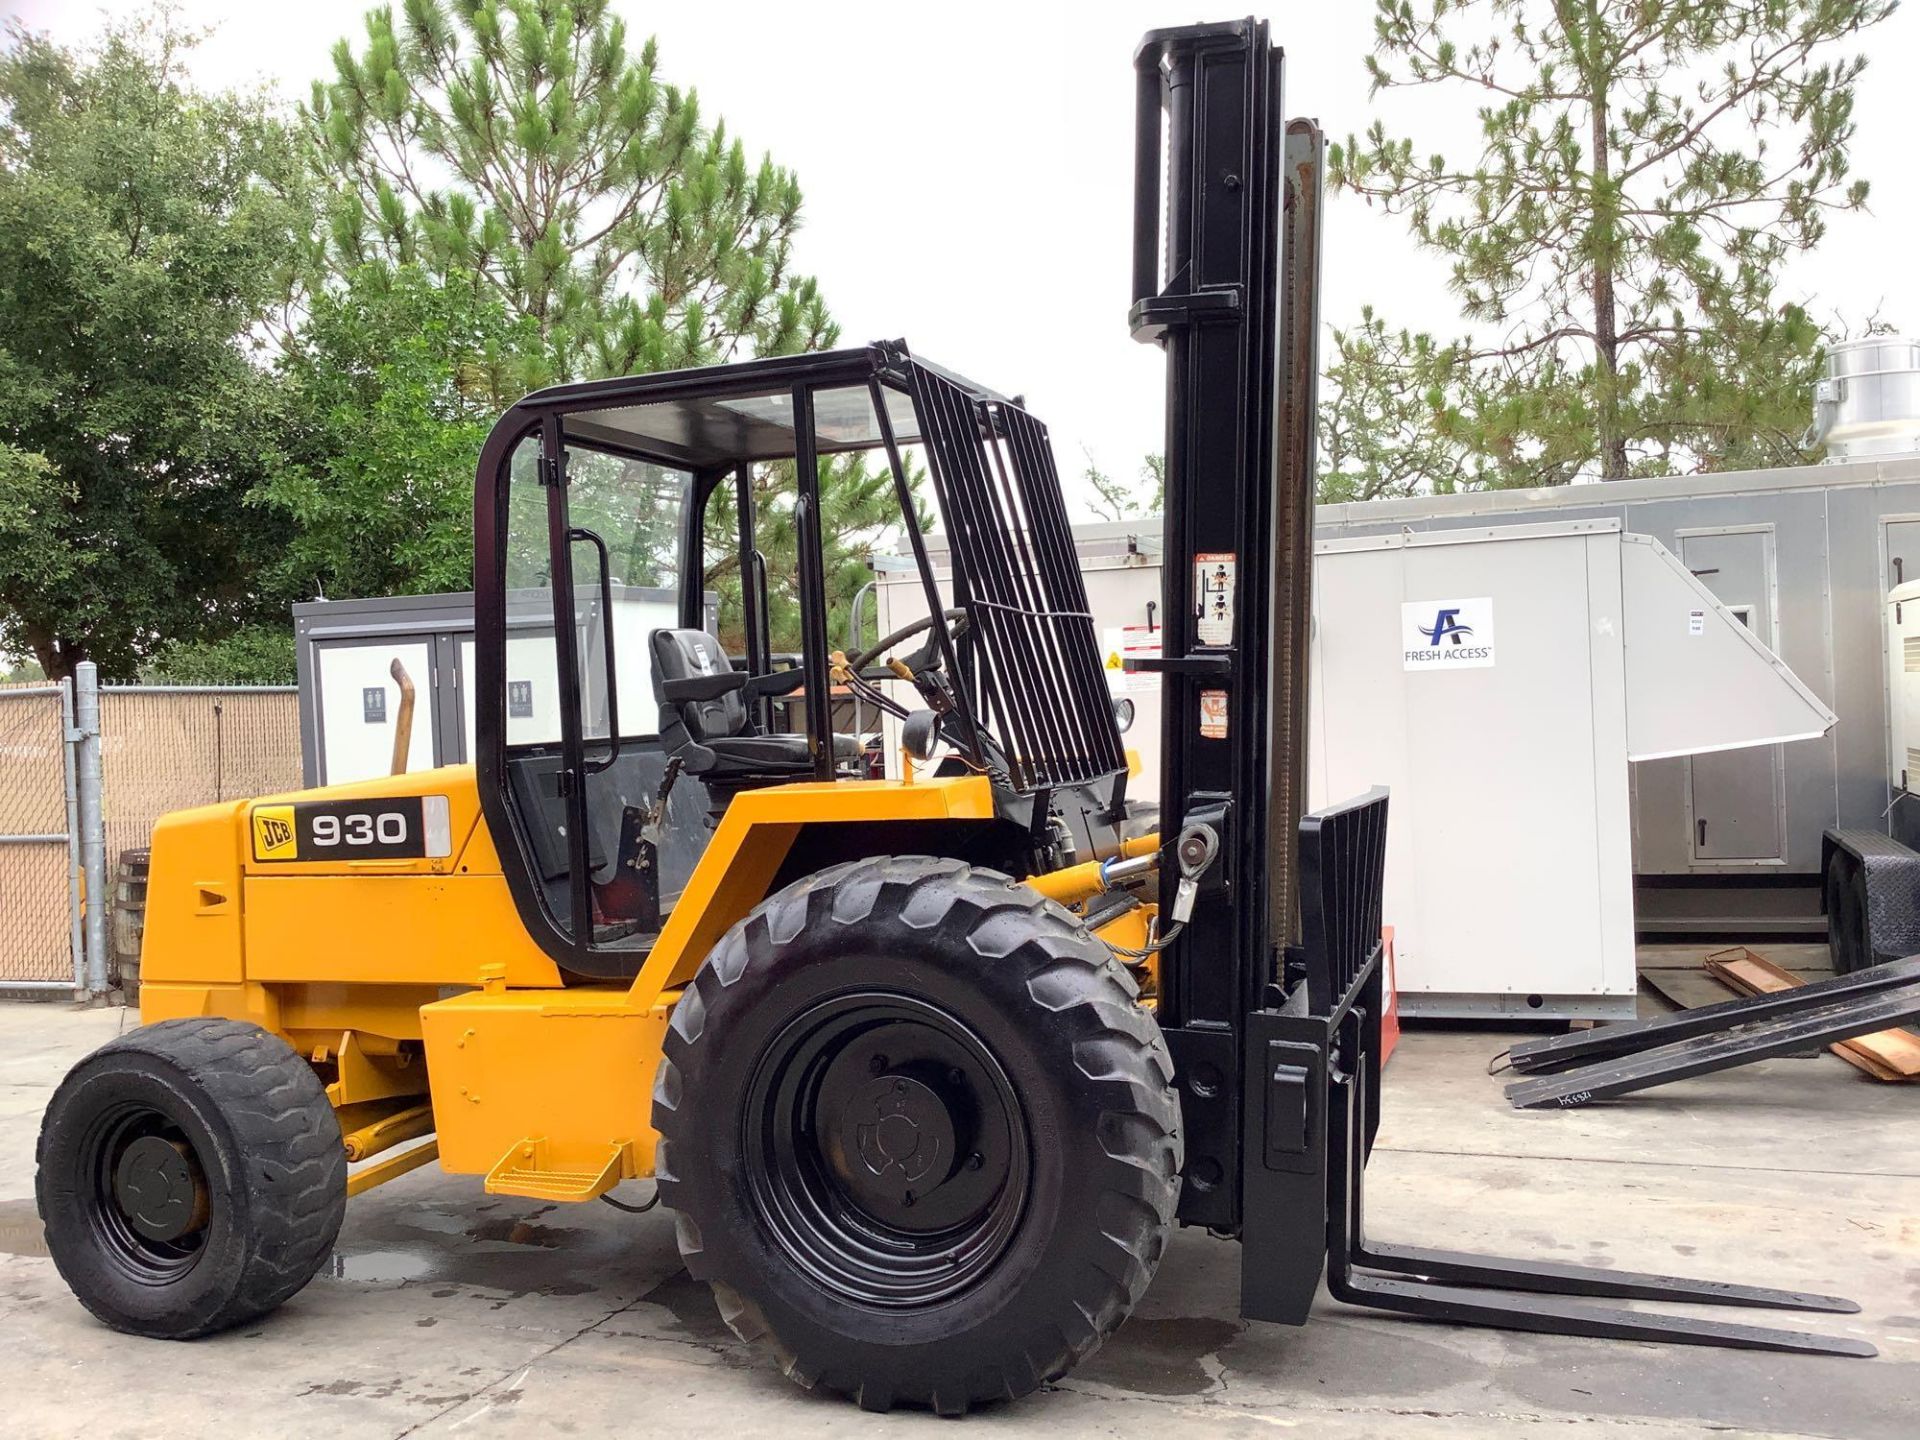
(1736, 798)
(1903, 551)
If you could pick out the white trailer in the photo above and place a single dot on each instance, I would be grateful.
(1500, 681)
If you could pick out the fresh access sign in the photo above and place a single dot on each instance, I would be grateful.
(1447, 634)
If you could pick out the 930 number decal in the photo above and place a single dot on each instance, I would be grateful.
(360, 828)
(391, 829)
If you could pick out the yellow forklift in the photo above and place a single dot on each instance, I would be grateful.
(928, 1067)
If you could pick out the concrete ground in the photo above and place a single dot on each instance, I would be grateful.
(450, 1313)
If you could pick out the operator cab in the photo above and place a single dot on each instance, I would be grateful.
(640, 662)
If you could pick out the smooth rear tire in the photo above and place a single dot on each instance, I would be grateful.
(918, 1134)
(191, 1177)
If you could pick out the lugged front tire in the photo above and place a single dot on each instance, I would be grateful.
(191, 1177)
(918, 1135)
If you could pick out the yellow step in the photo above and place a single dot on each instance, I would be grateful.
(530, 1169)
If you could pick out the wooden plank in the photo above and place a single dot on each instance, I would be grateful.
(1753, 974)
(1886, 1055)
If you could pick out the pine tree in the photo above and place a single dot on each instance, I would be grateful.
(1646, 168)
(521, 141)
(1116, 500)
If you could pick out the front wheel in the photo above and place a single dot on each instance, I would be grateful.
(918, 1134)
(191, 1177)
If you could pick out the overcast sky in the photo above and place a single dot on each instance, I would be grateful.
(967, 170)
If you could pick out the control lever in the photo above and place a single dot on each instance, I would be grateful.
(658, 816)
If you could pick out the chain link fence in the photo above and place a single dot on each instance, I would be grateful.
(162, 748)
(37, 855)
(165, 748)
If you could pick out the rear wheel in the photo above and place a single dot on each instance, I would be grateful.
(1846, 899)
(191, 1177)
(919, 1136)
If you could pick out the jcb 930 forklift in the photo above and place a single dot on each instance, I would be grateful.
(927, 1068)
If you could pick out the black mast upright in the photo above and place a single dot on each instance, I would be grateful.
(1233, 308)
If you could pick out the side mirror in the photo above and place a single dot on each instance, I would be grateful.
(920, 733)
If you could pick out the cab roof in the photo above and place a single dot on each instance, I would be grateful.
(720, 416)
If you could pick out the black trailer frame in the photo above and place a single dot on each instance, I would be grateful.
(1271, 994)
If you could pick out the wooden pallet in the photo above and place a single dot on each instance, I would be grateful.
(1890, 1055)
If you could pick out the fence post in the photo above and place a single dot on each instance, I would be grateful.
(70, 775)
(93, 827)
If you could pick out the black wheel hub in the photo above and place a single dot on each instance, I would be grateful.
(886, 1149)
(897, 1135)
(146, 1200)
(159, 1188)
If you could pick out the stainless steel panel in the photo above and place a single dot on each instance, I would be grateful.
(1737, 797)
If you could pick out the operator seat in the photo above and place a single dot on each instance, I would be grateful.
(704, 717)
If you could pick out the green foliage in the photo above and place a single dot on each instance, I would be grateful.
(1645, 171)
(1117, 500)
(524, 143)
(145, 231)
(256, 655)
(1380, 427)
(556, 210)
(859, 514)
(394, 381)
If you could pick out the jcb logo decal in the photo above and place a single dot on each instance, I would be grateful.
(273, 835)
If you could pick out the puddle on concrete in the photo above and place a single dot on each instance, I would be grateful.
(692, 1306)
(20, 1230)
(374, 1266)
(1153, 1356)
(436, 1222)
(492, 1252)
(521, 1232)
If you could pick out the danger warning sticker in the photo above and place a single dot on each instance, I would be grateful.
(1213, 714)
(1213, 594)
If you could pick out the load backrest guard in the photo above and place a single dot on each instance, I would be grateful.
(1017, 575)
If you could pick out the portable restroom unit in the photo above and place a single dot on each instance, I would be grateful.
(1731, 843)
(1499, 681)
(350, 701)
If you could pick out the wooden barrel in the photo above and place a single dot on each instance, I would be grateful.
(128, 919)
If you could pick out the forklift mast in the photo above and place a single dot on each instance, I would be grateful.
(1273, 989)
(1236, 309)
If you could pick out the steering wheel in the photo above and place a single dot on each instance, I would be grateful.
(928, 656)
